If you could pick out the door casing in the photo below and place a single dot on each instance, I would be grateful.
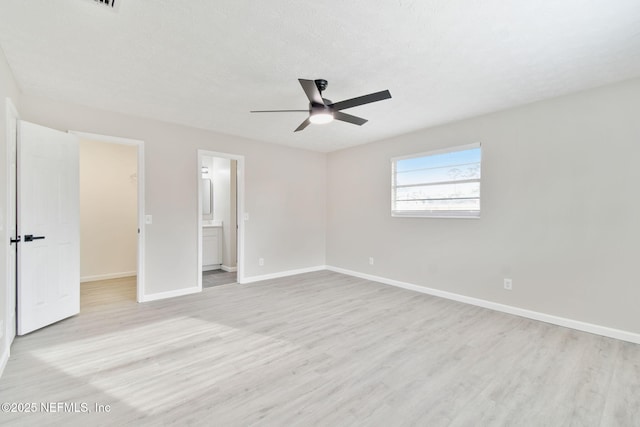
(12, 118)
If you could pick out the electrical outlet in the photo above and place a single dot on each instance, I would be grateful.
(508, 284)
(370, 260)
(260, 262)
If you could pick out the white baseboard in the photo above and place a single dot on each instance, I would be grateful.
(169, 294)
(282, 274)
(8, 340)
(107, 276)
(4, 359)
(229, 269)
(535, 315)
(12, 328)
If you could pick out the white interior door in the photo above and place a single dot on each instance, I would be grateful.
(49, 227)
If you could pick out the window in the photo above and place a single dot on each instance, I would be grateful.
(443, 183)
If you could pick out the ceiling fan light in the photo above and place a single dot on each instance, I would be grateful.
(321, 118)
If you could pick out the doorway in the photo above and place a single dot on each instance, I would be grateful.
(220, 190)
(111, 216)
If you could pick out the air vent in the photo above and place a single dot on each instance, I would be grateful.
(111, 4)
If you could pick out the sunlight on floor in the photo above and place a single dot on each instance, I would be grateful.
(129, 366)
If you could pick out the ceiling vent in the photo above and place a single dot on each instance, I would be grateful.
(111, 4)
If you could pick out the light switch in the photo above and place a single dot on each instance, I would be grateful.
(246, 216)
(148, 219)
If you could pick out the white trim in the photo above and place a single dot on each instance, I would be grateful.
(107, 138)
(170, 294)
(211, 267)
(107, 276)
(141, 225)
(229, 269)
(239, 211)
(433, 214)
(439, 151)
(530, 314)
(4, 359)
(9, 332)
(12, 328)
(140, 287)
(282, 274)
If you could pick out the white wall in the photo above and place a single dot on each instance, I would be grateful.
(108, 210)
(284, 190)
(8, 88)
(560, 210)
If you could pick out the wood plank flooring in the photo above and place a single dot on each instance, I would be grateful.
(318, 349)
(217, 278)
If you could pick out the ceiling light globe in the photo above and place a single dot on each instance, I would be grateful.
(321, 118)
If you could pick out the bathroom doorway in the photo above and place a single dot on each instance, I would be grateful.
(219, 225)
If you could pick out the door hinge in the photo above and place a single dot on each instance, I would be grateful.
(12, 241)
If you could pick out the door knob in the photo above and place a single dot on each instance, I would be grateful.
(31, 237)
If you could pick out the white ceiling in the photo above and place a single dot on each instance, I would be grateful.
(207, 63)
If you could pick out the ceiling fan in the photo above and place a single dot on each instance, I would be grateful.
(322, 110)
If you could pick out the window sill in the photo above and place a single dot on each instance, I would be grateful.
(451, 215)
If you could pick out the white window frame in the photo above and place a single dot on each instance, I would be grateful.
(468, 214)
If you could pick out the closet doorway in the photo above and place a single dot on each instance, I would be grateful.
(111, 216)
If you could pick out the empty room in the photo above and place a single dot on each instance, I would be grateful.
(234, 213)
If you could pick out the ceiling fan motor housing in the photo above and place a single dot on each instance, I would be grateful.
(320, 108)
(321, 84)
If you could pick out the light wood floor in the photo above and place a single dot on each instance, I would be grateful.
(217, 278)
(317, 349)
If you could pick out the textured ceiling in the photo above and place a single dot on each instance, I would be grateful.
(207, 63)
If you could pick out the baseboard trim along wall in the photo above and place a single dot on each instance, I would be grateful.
(107, 276)
(4, 359)
(8, 340)
(543, 317)
(229, 269)
(169, 294)
(282, 274)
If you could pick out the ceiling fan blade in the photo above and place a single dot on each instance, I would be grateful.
(303, 125)
(279, 111)
(361, 100)
(338, 115)
(310, 88)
